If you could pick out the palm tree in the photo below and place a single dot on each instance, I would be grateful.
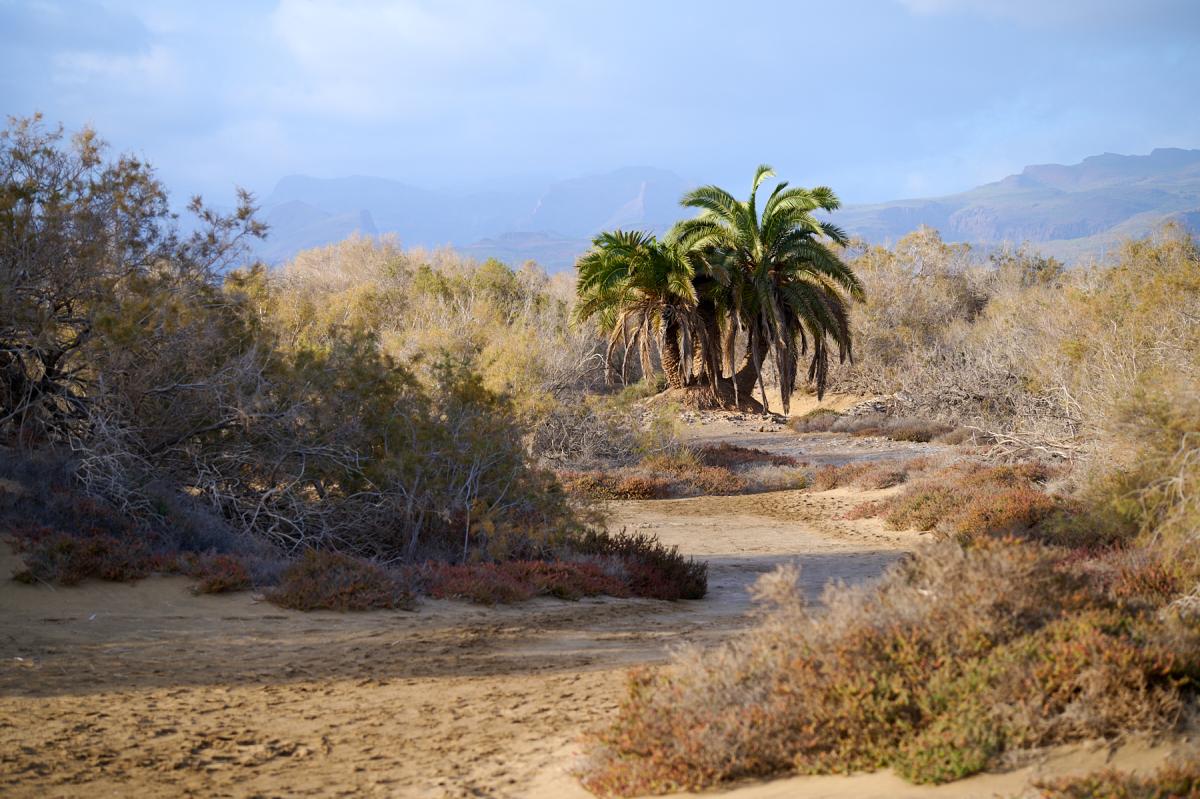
(784, 289)
(642, 292)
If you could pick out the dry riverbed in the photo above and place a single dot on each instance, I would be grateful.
(147, 690)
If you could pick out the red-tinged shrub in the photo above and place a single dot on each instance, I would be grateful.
(1012, 511)
(865, 510)
(567, 579)
(1175, 780)
(731, 456)
(1141, 576)
(654, 571)
(922, 507)
(55, 557)
(715, 481)
(483, 583)
(640, 487)
(830, 477)
(321, 580)
(882, 475)
(971, 500)
(515, 581)
(615, 485)
(871, 476)
(217, 574)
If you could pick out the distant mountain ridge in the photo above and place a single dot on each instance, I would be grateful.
(1070, 211)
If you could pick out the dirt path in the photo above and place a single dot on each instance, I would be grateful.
(116, 690)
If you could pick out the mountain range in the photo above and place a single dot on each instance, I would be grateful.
(1072, 212)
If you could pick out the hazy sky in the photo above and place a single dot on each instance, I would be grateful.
(880, 98)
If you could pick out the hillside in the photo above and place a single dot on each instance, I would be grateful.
(1071, 211)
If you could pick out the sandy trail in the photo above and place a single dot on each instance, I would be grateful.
(117, 690)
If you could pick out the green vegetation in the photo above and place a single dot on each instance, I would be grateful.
(357, 414)
(725, 290)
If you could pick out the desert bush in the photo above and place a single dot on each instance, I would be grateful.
(653, 570)
(482, 583)
(54, 557)
(217, 574)
(321, 580)
(1033, 359)
(957, 656)
(972, 500)
(733, 456)
(1179, 779)
(872, 475)
(829, 477)
(818, 420)
(614, 485)
(361, 399)
(514, 581)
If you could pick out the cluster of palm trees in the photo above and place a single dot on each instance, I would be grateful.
(726, 292)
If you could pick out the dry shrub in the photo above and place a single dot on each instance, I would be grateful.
(614, 485)
(869, 475)
(678, 473)
(514, 581)
(714, 481)
(822, 420)
(956, 437)
(652, 570)
(955, 657)
(321, 580)
(482, 583)
(865, 510)
(818, 420)
(1175, 780)
(830, 477)
(51, 557)
(969, 500)
(218, 574)
(732, 456)
(916, 430)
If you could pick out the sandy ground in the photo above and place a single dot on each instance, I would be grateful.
(147, 690)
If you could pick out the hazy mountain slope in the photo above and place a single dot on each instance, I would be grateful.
(295, 225)
(552, 225)
(1072, 211)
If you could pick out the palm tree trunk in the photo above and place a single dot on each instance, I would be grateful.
(671, 362)
(747, 375)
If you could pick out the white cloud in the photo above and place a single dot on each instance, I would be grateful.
(373, 57)
(157, 69)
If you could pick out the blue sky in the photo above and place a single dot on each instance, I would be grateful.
(878, 98)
